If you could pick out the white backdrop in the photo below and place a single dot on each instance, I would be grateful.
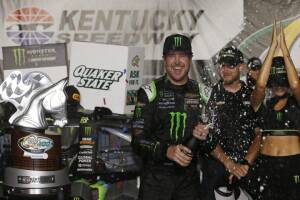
(243, 23)
(136, 23)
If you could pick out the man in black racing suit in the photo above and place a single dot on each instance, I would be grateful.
(166, 113)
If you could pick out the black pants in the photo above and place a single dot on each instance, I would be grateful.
(214, 176)
(274, 178)
(159, 184)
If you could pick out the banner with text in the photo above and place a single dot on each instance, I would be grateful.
(48, 58)
(104, 79)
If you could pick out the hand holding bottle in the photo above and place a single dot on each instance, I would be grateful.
(179, 154)
(201, 131)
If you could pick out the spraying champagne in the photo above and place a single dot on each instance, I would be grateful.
(192, 143)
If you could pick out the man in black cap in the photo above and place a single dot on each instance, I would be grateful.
(74, 109)
(254, 64)
(165, 115)
(73, 101)
(233, 121)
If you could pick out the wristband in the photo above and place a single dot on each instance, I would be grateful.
(245, 162)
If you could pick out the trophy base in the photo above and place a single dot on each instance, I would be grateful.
(21, 182)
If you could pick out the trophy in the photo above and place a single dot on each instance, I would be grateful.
(35, 168)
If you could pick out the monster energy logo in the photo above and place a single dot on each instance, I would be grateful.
(19, 56)
(87, 131)
(297, 179)
(76, 198)
(279, 116)
(177, 41)
(278, 70)
(178, 124)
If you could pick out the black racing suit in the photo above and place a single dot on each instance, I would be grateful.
(234, 121)
(165, 115)
(277, 177)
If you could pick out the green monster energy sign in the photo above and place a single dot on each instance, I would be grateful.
(19, 56)
(34, 56)
(178, 124)
(177, 41)
(87, 149)
(88, 131)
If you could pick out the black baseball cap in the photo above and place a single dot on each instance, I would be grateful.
(278, 74)
(73, 95)
(230, 56)
(177, 42)
(254, 63)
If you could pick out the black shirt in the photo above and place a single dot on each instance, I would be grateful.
(233, 119)
(285, 121)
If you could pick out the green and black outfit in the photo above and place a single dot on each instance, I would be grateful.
(165, 115)
(277, 177)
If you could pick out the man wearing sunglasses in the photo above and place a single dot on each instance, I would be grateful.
(254, 65)
(233, 122)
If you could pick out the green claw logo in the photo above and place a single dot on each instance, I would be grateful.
(19, 56)
(279, 116)
(88, 131)
(177, 41)
(178, 124)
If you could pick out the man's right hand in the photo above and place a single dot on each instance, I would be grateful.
(179, 154)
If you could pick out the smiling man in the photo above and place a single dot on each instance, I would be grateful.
(233, 122)
(166, 113)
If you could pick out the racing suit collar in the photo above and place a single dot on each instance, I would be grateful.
(176, 87)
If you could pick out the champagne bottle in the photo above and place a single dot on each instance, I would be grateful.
(192, 143)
